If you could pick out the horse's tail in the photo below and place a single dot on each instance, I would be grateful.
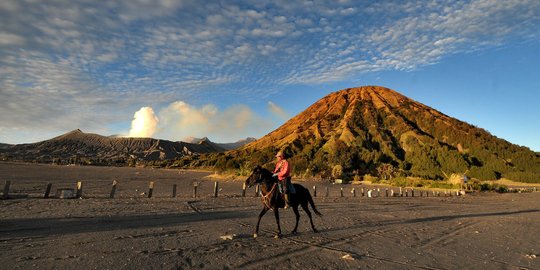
(312, 203)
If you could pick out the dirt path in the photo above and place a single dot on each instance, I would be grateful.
(472, 232)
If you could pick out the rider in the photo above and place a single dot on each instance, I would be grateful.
(283, 173)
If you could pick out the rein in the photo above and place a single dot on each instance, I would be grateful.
(267, 198)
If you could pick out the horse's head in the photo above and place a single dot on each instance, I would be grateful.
(257, 176)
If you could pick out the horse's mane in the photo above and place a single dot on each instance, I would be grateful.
(267, 174)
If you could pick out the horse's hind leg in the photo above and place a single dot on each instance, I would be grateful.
(295, 210)
(259, 221)
(306, 209)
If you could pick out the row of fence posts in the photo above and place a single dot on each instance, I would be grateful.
(151, 185)
(370, 193)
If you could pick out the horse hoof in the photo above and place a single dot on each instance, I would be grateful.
(315, 231)
(255, 235)
(277, 236)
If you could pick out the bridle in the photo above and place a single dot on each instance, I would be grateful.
(268, 197)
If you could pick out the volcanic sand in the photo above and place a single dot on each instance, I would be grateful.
(479, 231)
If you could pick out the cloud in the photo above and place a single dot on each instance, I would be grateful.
(180, 42)
(278, 111)
(144, 123)
(181, 120)
(10, 39)
(422, 34)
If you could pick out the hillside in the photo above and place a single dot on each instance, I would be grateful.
(368, 128)
(79, 147)
(5, 146)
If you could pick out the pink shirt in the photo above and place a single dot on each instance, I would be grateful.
(282, 169)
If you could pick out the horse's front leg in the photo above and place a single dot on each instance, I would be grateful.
(276, 213)
(297, 215)
(263, 211)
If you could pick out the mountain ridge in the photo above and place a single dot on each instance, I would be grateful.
(363, 128)
(226, 146)
(97, 149)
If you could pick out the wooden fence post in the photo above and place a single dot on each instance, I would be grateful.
(353, 192)
(326, 188)
(79, 190)
(195, 185)
(6, 189)
(244, 189)
(378, 192)
(400, 192)
(341, 192)
(113, 189)
(150, 189)
(363, 192)
(174, 190)
(412, 192)
(216, 188)
(47, 191)
(386, 192)
(314, 191)
(392, 192)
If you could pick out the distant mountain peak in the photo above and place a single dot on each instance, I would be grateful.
(204, 140)
(75, 131)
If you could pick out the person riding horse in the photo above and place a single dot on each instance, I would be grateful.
(283, 173)
(271, 200)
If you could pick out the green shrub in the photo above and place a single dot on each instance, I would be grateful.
(371, 179)
(502, 189)
(337, 172)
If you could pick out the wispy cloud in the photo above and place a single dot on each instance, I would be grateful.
(10, 39)
(278, 111)
(423, 34)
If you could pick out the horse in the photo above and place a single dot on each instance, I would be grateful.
(272, 200)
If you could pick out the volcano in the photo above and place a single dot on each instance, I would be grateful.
(93, 149)
(364, 128)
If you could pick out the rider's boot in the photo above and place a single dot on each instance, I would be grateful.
(286, 201)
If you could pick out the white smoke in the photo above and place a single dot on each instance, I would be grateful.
(181, 120)
(144, 123)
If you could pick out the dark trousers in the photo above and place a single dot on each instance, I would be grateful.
(286, 187)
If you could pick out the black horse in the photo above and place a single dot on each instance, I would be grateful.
(272, 199)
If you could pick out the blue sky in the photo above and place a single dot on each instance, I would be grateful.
(233, 69)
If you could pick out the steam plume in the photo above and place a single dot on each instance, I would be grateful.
(144, 123)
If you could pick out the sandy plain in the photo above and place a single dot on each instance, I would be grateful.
(131, 231)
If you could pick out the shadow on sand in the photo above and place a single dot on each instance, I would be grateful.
(36, 227)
